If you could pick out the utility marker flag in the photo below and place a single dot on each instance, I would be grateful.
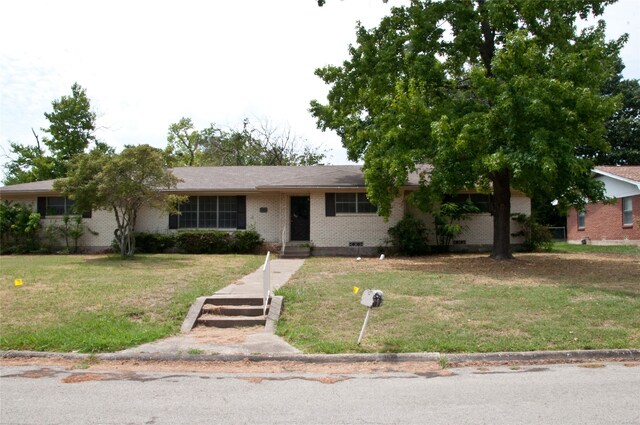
(355, 289)
(17, 282)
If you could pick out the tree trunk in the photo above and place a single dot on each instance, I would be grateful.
(501, 216)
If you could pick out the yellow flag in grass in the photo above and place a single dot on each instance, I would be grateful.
(17, 282)
(355, 289)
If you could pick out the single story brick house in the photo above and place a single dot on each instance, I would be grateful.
(610, 224)
(322, 206)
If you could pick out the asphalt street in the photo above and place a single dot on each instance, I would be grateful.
(605, 393)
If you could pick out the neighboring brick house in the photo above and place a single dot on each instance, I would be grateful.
(610, 223)
(323, 206)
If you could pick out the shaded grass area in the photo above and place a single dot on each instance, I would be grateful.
(604, 249)
(102, 303)
(466, 303)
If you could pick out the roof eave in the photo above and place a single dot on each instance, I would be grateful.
(617, 177)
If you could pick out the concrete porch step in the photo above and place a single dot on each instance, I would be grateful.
(294, 251)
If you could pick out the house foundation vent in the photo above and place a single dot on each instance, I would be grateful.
(460, 242)
(356, 243)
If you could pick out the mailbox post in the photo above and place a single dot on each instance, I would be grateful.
(370, 298)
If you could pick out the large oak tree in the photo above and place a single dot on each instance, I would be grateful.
(494, 94)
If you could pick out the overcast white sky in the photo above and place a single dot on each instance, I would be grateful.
(145, 64)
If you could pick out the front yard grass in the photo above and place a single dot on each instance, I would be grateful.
(102, 303)
(466, 303)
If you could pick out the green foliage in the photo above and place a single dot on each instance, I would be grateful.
(623, 128)
(410, 236)
(536, 236)
(183, 143)
(154, 243)
(494, 95)
(218, 242)
(261, 144)
(447, 220)
(121, 183)
(72, 124)
(29, 164)
(246, 241)
(19, 226)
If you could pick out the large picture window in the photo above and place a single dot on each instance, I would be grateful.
(627, 211)
(211, 212)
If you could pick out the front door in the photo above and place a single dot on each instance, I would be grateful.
(300, 222)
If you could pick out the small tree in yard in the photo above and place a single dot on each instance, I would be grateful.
(447, 219)
(122, 183)
(70, 229)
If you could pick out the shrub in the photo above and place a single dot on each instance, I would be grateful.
(217, 242)
(246, 242)
(536, 236)
(19, 226)
(409, 236)
(154, 243)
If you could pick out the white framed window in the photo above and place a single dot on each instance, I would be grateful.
(55, 206)
(209, 212)
(582, 219)
(627, 211)
(354, 203)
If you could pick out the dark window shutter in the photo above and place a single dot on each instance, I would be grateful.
(42, 206)
(330, 204)
(173, 221)
(86, 214)
(242, 212)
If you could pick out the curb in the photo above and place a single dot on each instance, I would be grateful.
(450, 359)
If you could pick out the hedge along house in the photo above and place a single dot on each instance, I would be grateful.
(610, 223)
(320, 206)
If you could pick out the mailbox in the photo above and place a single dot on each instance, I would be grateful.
(372, 298)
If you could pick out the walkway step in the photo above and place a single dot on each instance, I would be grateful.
(230, 321)
(230, 299)
(234, 310)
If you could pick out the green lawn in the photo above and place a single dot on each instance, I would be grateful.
(103, 303)
(466, 303)
(610, 249)
(448, 303)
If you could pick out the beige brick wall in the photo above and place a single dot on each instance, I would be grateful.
(268, 224)
(341, 229)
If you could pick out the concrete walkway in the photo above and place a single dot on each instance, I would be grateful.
(254, 340)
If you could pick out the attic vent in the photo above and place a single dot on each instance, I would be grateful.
(460, 242)
(356, 243)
